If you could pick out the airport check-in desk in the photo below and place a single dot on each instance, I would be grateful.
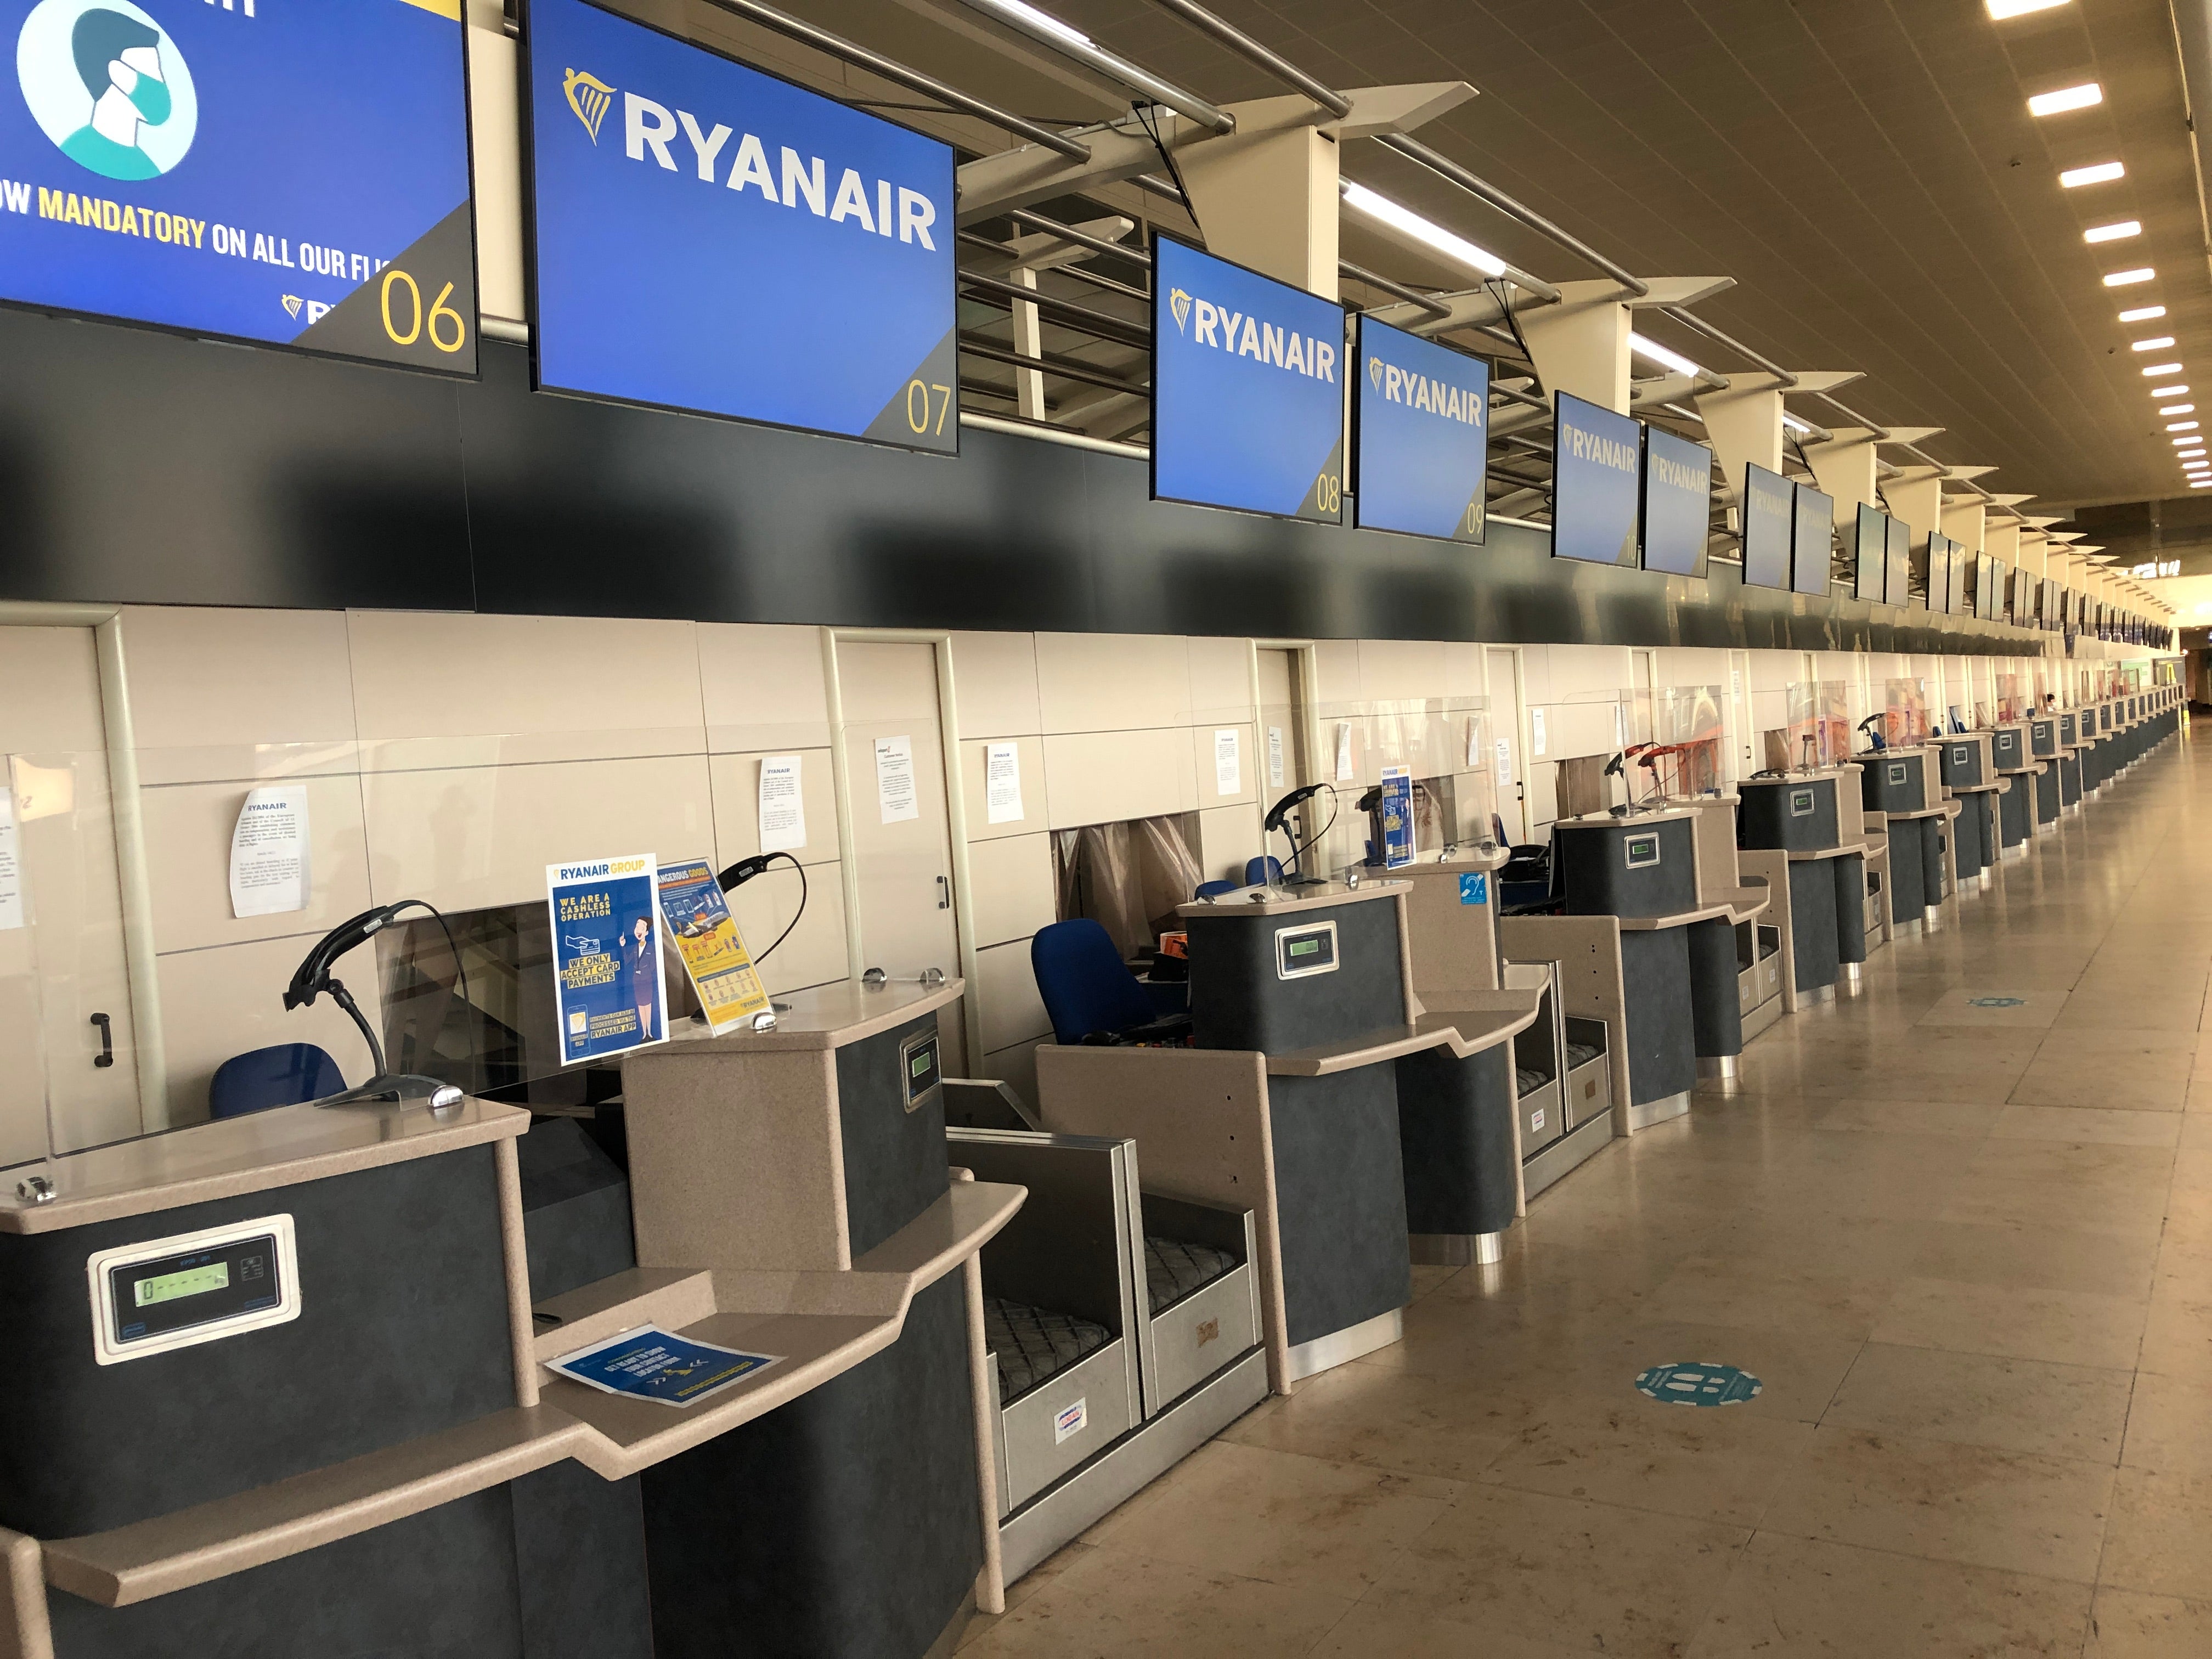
(2071, 744)
(337, 1435)
(1967, 762)
(2050, 794)
(2017, 770)
(1806, 833)
(1310, 1050)
(1902, 801)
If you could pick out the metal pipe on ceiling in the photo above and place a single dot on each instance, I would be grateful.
(891, 70)
(1097, 323)
(1758, 359)
(1080, 238)
(1411, 297)
(1444, 168)
(1228, 34)
(1072, 43)
(1050, 364)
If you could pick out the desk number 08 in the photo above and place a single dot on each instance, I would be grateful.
(1328, 493)
(439, 319)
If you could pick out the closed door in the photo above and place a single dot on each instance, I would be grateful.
(1508, 767)
(1285, 764)
(62, 958)
(901, 846)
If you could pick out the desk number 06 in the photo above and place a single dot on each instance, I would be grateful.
(441, 318)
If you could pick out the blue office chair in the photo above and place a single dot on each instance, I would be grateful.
(1089, 991)
(1208, 890)
(284, 1075)
(1262, 871)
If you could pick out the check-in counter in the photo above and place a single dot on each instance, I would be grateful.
(2016, 771)
(2071, 744)
(1805, 832)
(2049, 794)
(1967, 763)
(1313, 1067)
(1897, 789)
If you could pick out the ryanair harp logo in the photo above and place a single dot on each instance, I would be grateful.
(1179, 303)
(1375, 372)
(590, 97)
(292, 303)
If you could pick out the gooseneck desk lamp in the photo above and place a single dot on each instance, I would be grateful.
(313, 979)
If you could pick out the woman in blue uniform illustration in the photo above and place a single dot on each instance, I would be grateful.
(120, 60)
(638, 950)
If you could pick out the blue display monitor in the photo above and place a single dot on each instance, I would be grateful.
(1813, 544)
(1939, 570)
(1989, 588)
(1897, 580)
(1420, 435)
(1962, 567)
(287, 174)
(1678, 504)
(1247, 389)
(1869, 552)
(1770, 526)
(1597, 471)
(707, 238)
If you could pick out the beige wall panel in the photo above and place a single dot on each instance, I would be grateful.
(1112, 682)
(1462, 669)
(1018, 1065)
(1029, 760)
(761, 686)
(1012, 887)
(1394, 671)
(1007, 1000)
(188, 830)
(994, 684)
(1251, 765)
(213, 692)
(50, 692)
(736, 782)
(1228, 837)
(815, 953)
(1579, 728)
(464, 838)
(230, 1000)
(1220, 679)
(1100, 777)
(517, 690)
(1336, 671)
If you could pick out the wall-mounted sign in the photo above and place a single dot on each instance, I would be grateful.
(1420, 431)
(1897, 585)
(1962, 569)
(1247, 389)
(1770, 524)
(712, 238)
(1597, 471)
(1988, 587)
(1869, 552)
(1678, 504)
(289, 175)
(1813, 540)
(1939, 570)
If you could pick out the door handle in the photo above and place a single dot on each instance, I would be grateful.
(944, 892)
(106, 1055)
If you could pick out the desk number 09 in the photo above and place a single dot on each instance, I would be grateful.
(441, 317)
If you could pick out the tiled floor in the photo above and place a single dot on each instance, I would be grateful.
(1967, 1250)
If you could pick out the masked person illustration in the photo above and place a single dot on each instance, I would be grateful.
(120, 60)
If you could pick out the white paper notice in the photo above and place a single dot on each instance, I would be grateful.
(1229, 763)
(1536, 731)
(269, 871)
(11, 867)
(895, 780)
(1504, 763)
(1474, 741)
(1002, 782)
(783, 808)
(1343, 754)
(1274, 757)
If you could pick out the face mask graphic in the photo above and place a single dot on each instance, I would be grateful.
(149, 97)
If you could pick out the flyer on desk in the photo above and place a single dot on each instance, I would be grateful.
(651, 1364)
(608, 988)
(712, 949)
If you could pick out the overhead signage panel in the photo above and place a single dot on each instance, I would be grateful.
(1813, 542)
(1869, 552)
(1597, 471)
(1678, 504)
(1420, 435)
(1962, 565)
(1939, 570)
(1897, 586)
(712, 238)
(1769, 525)
(1247, 389)
(287, 174)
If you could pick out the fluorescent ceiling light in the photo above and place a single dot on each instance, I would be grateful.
(2159, 344)
(2142, 313)
(2169, 390)
(2113, 233)
(2163, 368)
(1051, 25)
(2000, 10)
(2200, 484)
(2182, 426)
(2179, 409)
(1794, 423)
(1661, 356)
(2129, 278)
(2187, 454)
(2043, 103)
(1383, 211)
(2103, 173)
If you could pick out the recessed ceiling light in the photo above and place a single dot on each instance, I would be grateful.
(2200, 484)
(2103, 173)
(1663, 356)
(2181, 426)
(2159, 344)
(2179, 409)
(2000, 10)
(1382, 209)
(2066, 98)
(2142, 313)
(2163, 368)
(2169, 390)
(2129, 278)
(2113, 233)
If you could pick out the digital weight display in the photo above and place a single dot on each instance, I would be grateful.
(1302, 951)
(919, 1061)
(189, 1281)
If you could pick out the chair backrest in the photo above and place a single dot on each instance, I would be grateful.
(1263, 869)
(280, 1076)
(1086, 985)
(1208, 890)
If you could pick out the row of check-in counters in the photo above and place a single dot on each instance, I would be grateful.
(993, 1319)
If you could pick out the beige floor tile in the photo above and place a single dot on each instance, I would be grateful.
(2128, 1171)
(2127, 1081)
(2170, 1425)
(1378, 1626)
(2014, 1511)
(1402, 1421)
(2129, 1625)
(1587, 1576)
(1274, 1516)
(1799, 1373)
(2091, 1123)
(2160, 1536)
(2064, 1328)
(2035, 1257)
(2177, 1334)
(1809, 1298)
(1111, 1606)
(1984, 1400)
(2134, 1210)
(1792, 1598)
(1969, 1007)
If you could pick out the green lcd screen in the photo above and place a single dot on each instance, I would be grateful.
(1304, 947)
(921, 1067)
(192, 1281)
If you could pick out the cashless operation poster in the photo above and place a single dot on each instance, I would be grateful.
(609, 992)
(1420, 434)
(1247, 389)
(292, 172)
(711, 238)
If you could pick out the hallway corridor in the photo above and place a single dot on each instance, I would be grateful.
(1967, 1250)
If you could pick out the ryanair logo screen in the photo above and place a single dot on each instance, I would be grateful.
(691, 211)
(1596, 477)
(1421, 425)
(1769, 511)
(1678, 504)
(1248, 403)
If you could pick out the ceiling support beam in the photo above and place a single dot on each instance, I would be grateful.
(1580, 346)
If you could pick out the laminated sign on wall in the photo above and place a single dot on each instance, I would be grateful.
(1002, 782)
(1228, 762)
(782, 809)
(11, 866)
(895, 780)
(269, 872)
